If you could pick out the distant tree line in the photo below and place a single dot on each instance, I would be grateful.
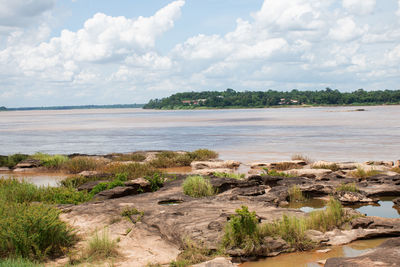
(232, 98)
(77, 107)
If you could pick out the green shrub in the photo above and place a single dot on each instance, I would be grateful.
(12, 160)
(18, 262)
(106, 186)
(351, 187)
(236, 176)
(295, 194)
(80, 164)
(156, 181)
(197, 186)
(169, 159)
(101, 247)
(32, 231)
(51, 161)
(76, 181)
(242, 230)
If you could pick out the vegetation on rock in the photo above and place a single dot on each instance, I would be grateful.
(350, 187)
(361, 173)
(197, 186)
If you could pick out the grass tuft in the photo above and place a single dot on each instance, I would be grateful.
(236, 176)
(136, 156)
(80, 164)
(273, 172)
(54, 162)
(131, 170)
(361, 173)
(295, 194)
(332, 166)
(351, 187)
(101, 247)
(302, 157)
(197, 186)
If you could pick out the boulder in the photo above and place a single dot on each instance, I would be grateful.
(116, 192)
(217, 262)
(28, 163)
(88, 174)
(228, 164)
(396, 202)
(139, 183)
(361, 222)
(387, 254)
(90, 185)
(353, 198)
(316, 236)
(272, 247)
(275, 165)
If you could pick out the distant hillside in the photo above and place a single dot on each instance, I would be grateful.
(255, 99)
(77, 107)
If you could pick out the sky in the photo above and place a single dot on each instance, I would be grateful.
(77, 52)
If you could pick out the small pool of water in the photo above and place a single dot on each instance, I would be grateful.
(39, 179)
(308, 205)
(311, 258)
(384, 208)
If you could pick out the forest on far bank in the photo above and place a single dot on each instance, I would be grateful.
(270, 98)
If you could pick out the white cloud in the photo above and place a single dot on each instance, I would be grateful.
(398, 10)
(346, 30)
(361, 7)
(20, 13)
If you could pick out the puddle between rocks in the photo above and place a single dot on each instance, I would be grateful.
(311, 258)
(39, 179)
(308, 205)
(384, 208)
(172, 202)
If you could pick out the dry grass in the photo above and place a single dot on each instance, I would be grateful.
(361, 173)
(132, 170)
(348, 188)
(136, 156)
(302, 157)
(395, 169)
(332, 166)
(295, 194)
(81, 163)
(101, 247)
(284, 166)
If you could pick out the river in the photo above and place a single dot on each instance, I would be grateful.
(329, 133)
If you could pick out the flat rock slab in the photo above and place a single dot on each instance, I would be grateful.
(227, 164)
(217, 262)
(387, 254)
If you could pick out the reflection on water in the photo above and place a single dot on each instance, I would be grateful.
(384, 208)
(308, 205)
(39, 179)
(245, 135)
(310, 259)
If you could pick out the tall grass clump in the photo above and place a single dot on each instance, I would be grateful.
(132, 170)
(241, 231)
(326, 220)
(101, 247)
(32, 231)
(295, 194)
(236, 176)
(203, 154)
(197, 186)
(81, 163)
(302, 157)
(169, 159)
(328, 166)
(350, 187)
(12, 160)
(275, 173)
(361, 173)
(193, 253)
(51, 161)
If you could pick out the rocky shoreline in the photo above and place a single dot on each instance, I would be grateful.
(169, 217)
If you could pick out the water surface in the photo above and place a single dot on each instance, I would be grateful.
(330, 133)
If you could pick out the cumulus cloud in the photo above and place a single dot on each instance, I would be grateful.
(361, 7)
(285, 44)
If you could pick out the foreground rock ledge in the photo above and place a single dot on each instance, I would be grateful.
(387, 254)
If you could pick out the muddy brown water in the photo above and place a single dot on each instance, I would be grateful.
(39, 179)
(329, 133)
(311, 258)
